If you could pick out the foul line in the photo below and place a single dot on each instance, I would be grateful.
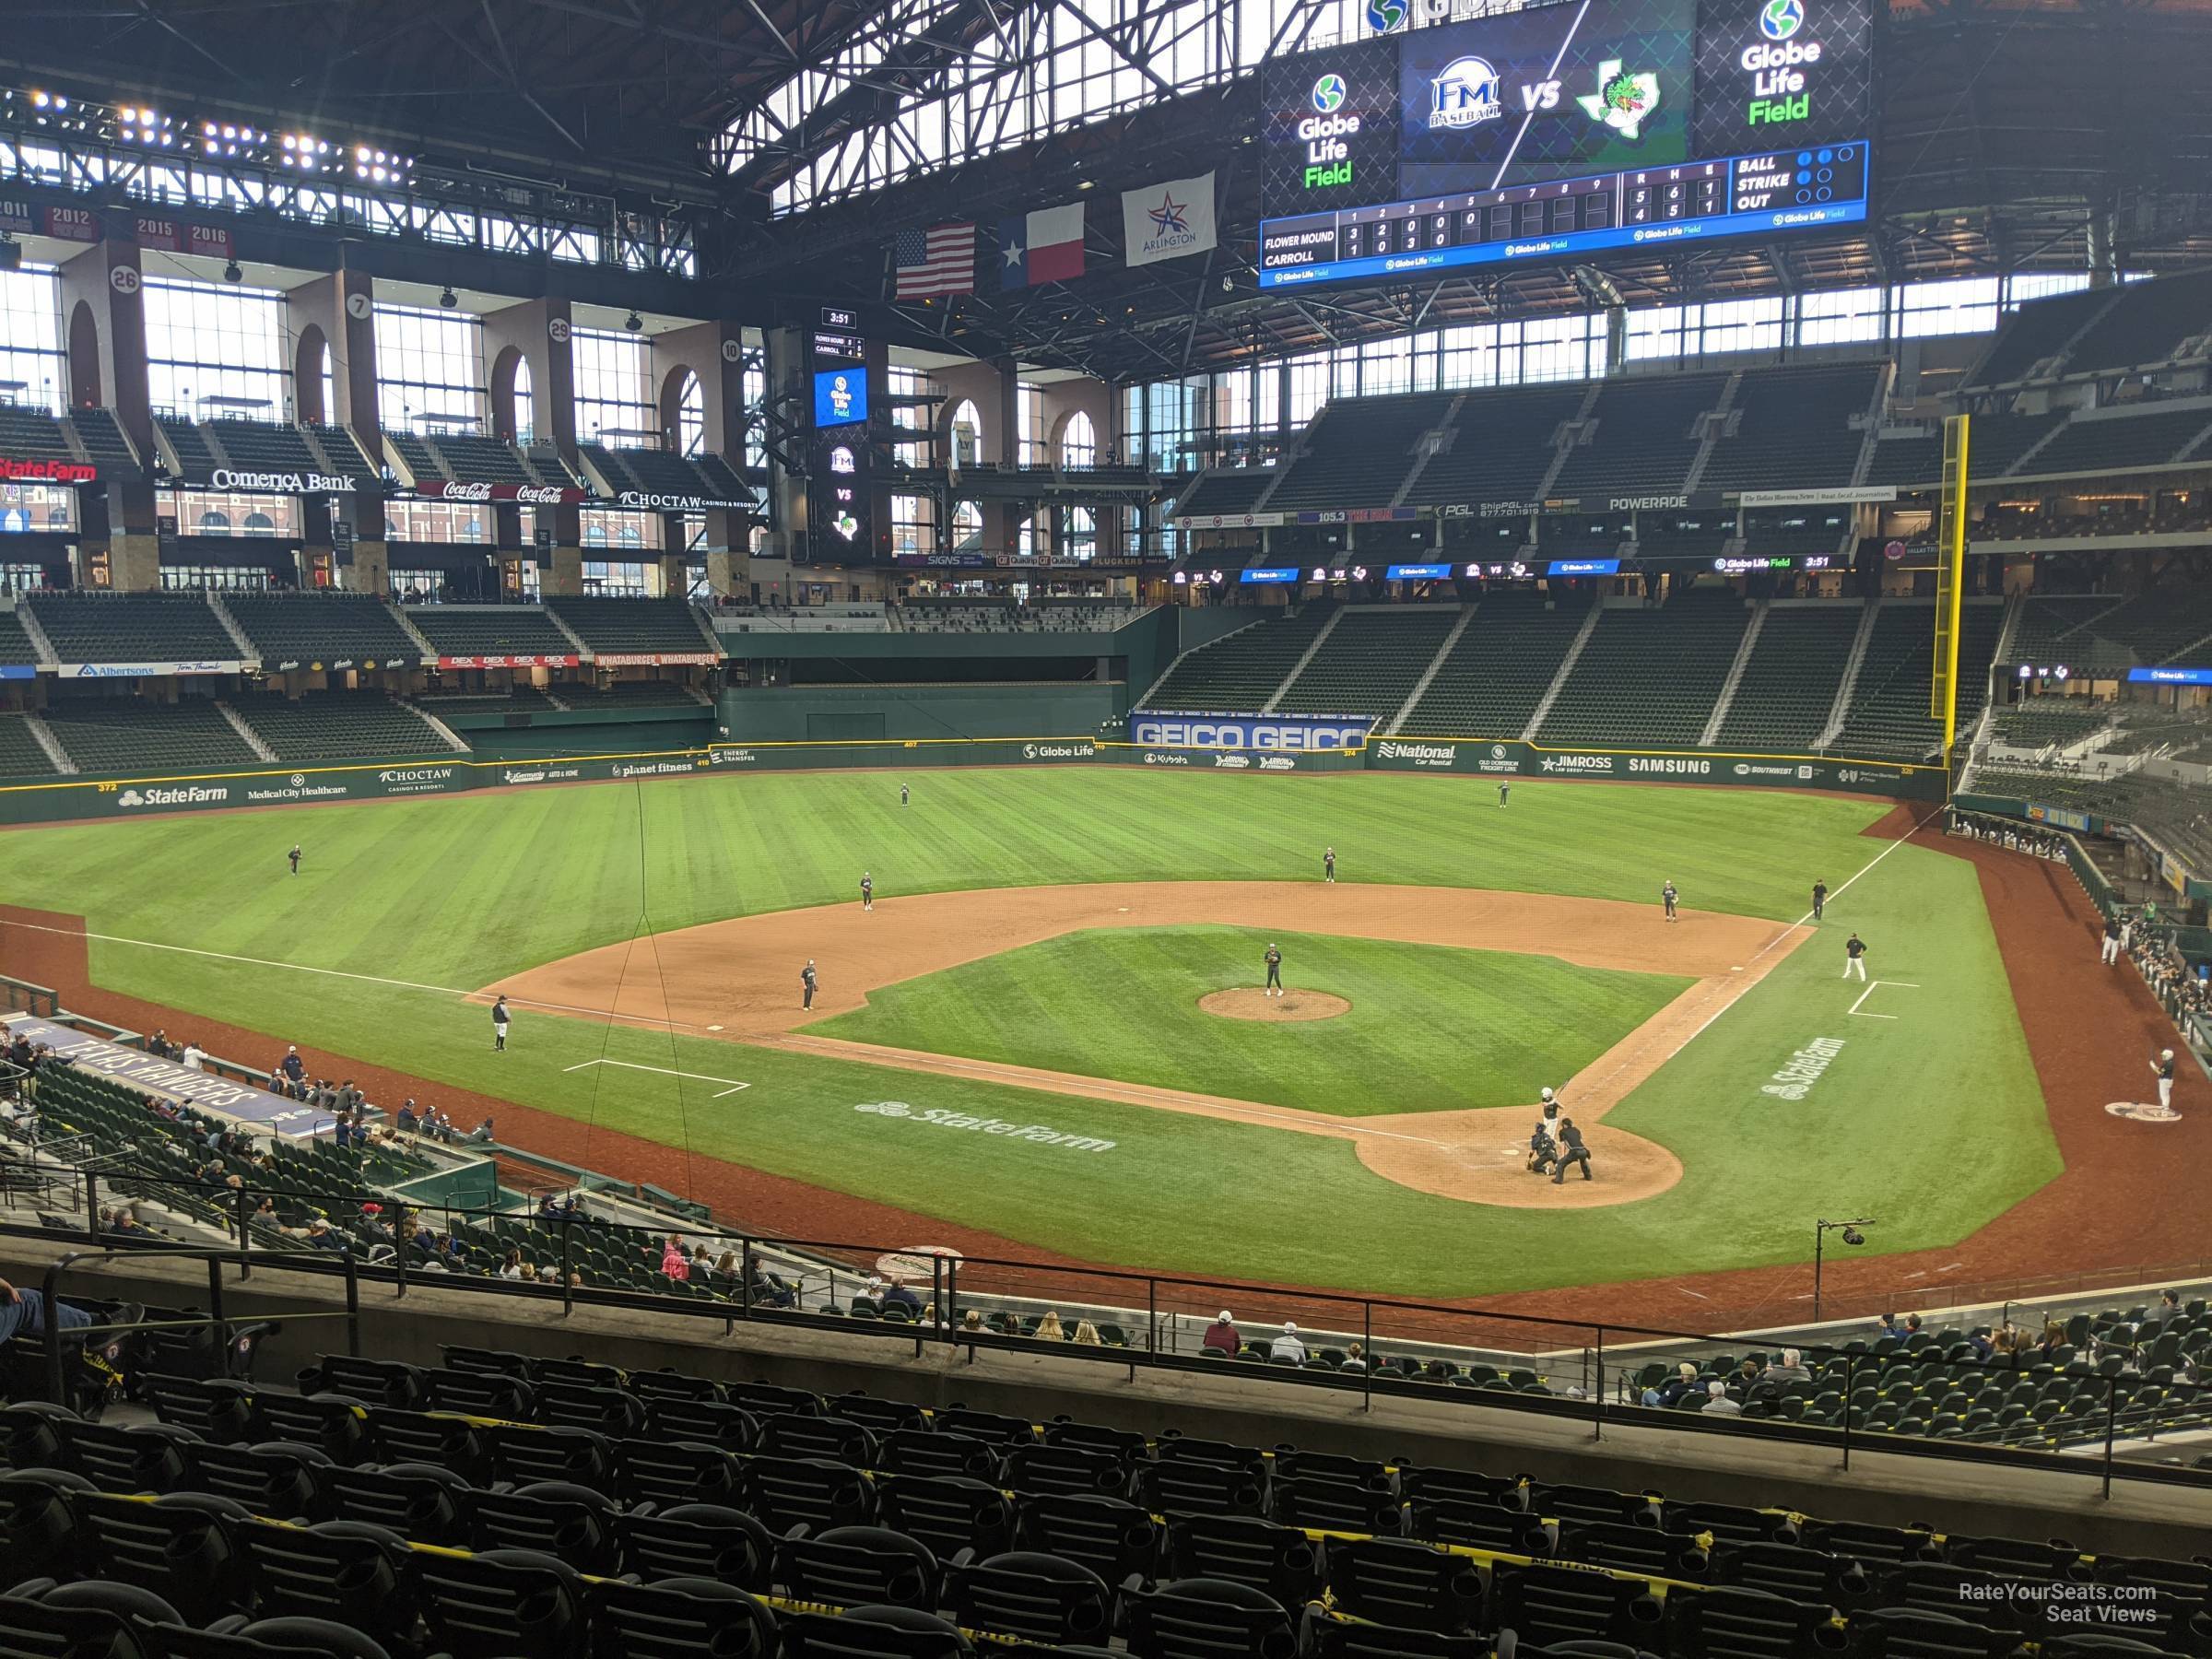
(1918, 825)
(1873, 985)
(368, 979)
(696, 1077)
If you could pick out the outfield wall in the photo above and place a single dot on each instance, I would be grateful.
(141, 794)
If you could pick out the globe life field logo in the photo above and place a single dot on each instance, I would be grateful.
(1325, 134)
(1780, 84)
(1386, 16)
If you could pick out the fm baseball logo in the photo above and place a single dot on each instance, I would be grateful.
(1465, 95)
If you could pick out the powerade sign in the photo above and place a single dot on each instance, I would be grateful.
(1246, 732)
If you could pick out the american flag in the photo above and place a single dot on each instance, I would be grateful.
(940, 260)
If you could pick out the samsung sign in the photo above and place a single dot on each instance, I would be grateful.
(1246, 732)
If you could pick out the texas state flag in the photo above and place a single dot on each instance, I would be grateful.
(1044, 246)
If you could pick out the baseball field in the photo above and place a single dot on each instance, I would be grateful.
(1026, 1040)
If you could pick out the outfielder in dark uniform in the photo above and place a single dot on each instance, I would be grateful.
(867, 891)
(1819, 899)
(806, 984)
(1668, 897)
(1503, 787)
(294, 856)
(1328, 863)
(1274, 971)
(1571, 1151)
(1854, 959)
(901, 795)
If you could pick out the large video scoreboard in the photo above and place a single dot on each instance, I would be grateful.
(1565, 129)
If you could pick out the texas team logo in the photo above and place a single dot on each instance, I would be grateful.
(1782, 19)
(1623, 101)
(1386, 16)
(1465, 95)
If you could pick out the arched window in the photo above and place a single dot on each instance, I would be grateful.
(472, 529)
(525, 403)
(967, 525)
(595, 535)
(967, 430)
(330, 389)
(258, 523)
(213, 521)
(1078, 441)
(691, 416)
(632, 536)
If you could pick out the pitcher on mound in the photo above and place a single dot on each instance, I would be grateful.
(1274, 971)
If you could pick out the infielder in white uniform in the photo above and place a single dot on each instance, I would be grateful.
(2162, 1069)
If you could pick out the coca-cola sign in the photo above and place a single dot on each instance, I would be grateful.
(525, 495)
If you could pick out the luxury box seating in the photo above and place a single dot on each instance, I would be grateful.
(127, 733)
(1789, 685)
(490, 630)
(499, 1507)
(321, 627)
(631, 625)
(1889, 714)
(1500, 447)
(1796, 431)
(1371, 661)
(1497, 673)
(132, 628)
(1232, 490)
(1654, 671)
(337, 725)
(1242, 671)
(1358, 452)
(1646, 437)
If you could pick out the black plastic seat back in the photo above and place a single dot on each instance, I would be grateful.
(422, 1437)
(1550, 1605)
(31, 1434)
(607, 1411)
(698, 1541)
(949, 1515)
(990, 1426)
(480, 1394)
(289, 1638)
(372, 1382)
(332, 1424)
(792, 1435)
(40, 1533)
(872, 1633)
(1329, 1504)
(860, 1565)
(1328, 1638)
(1067, 1470)
(765, 1399)
(1207, 1619)
(1280, 1561)
(1391, 1580)
(175, 1546)
(218, 1411)
(575, 1455)
(678, 1618)
(145, 1457)
(1192, 1486)
(421, 1502)
(921, 1451)
(1501, 1524)
(1034, 1597)
(505, 1604)
(35, 1629)
(879, 1417)
(1111, 1536)
(276, 1479)
(785, 1492)
(573, 1525)
(659, 1471)
(1722, 1623)
(712, 1422)
(340, 1570)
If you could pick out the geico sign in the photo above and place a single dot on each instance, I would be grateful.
(1208, 733)
(281, 482)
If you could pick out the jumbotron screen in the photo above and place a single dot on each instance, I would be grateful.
(1564, 128)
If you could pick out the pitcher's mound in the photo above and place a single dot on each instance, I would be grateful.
(1246, 1003)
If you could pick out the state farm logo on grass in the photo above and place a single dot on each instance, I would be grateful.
(943, 1119)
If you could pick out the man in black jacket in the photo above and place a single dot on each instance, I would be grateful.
(1571, 1151)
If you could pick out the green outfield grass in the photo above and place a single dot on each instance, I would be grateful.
(1931, 1122)
(1430, 1028)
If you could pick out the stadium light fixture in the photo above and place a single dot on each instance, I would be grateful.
(634, 323)
(1851, 1236)
(231, 273)
(447, 298)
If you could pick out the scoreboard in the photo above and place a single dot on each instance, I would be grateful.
(1561, 129)
(1737, 196)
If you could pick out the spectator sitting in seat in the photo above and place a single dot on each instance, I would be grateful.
(1675, 1387)
(319, 1235)
(23, 1313)
(513, 1267)
(1087, 1333)
(766, 1289)
(896, 1295)
(481, 1136)
(1791, 1370)
(194, 1057)
(1911, 1326)
(2054, 1338)
(1049, 1328)
(1288, 1346)
(349, 1098)
(405, 1121)
(1221, 1336)
(1355, 1354)
(972, 1322)
(2165, 1313)
(674, 1264)
(1887, 1325)
(1717, 1400)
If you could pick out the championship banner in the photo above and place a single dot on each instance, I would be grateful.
(1167, 221)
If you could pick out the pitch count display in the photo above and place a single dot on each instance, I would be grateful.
(1564, 128)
